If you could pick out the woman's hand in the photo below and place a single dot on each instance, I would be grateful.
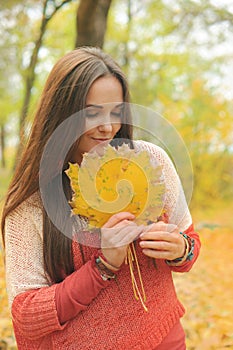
(162, 241)
(118, 232)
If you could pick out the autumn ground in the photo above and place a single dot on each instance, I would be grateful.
(206, 291)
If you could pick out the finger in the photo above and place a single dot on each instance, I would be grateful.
(124, 223)
(156, 245)
(113, 231)
(157, 236)
(125, 237)
(161, 226)
(171, 227)
(121, 237)
(156, 254)
(116, 218)
(130, 236)
(159, 254)
(169, 251)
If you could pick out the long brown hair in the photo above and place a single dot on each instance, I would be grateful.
(64, 94)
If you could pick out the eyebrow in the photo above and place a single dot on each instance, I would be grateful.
(100, 107)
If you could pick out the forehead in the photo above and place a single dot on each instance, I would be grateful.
(105, 90)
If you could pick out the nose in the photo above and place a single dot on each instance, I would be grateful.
(106, 125)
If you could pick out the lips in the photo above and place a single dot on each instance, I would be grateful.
(100, 140)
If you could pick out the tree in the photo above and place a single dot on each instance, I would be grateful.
(2, 146)
(50, 8)
(92, 22)
(162, 46)
(27, 58)
(8, 79)
(173, 67)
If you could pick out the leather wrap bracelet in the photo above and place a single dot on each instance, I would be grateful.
(188, 255)
(105, 273)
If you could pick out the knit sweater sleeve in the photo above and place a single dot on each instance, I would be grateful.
(38, 306)
(175, 204)
(40, 312)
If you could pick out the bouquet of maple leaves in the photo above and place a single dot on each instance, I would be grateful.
(118, 180)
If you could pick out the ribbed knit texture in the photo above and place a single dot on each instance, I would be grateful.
(108, 317)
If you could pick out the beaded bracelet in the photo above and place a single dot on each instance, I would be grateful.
(188, 255)
(105, 273)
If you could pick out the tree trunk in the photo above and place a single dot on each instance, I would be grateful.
(91, 22)
(30, 77)
(126, 44)
(2, 146)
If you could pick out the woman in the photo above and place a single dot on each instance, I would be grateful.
(63, 294)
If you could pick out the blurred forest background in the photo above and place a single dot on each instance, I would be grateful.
(178, 56)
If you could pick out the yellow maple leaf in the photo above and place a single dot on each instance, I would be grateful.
(119, 180)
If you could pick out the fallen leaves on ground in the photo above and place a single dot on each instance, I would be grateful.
(207, 294)
(7, 340)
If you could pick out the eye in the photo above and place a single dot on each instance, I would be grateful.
(117, 113)
(114, 114)
(91, 114)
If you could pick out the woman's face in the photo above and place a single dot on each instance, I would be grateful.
(103, 115)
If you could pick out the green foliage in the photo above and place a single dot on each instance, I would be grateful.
(58, 40)
(205, 124)
(19, 26)
(171, 52)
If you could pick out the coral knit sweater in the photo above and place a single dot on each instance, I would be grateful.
(83, 311)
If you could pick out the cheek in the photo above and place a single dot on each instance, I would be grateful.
(82, 142)
(91, 124)
(116, 128)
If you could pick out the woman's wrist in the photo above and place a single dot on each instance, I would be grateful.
(105, 261)
(183, 258)
(105, 273)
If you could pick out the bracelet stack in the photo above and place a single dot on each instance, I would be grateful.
(106, 270)
(188, 254)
